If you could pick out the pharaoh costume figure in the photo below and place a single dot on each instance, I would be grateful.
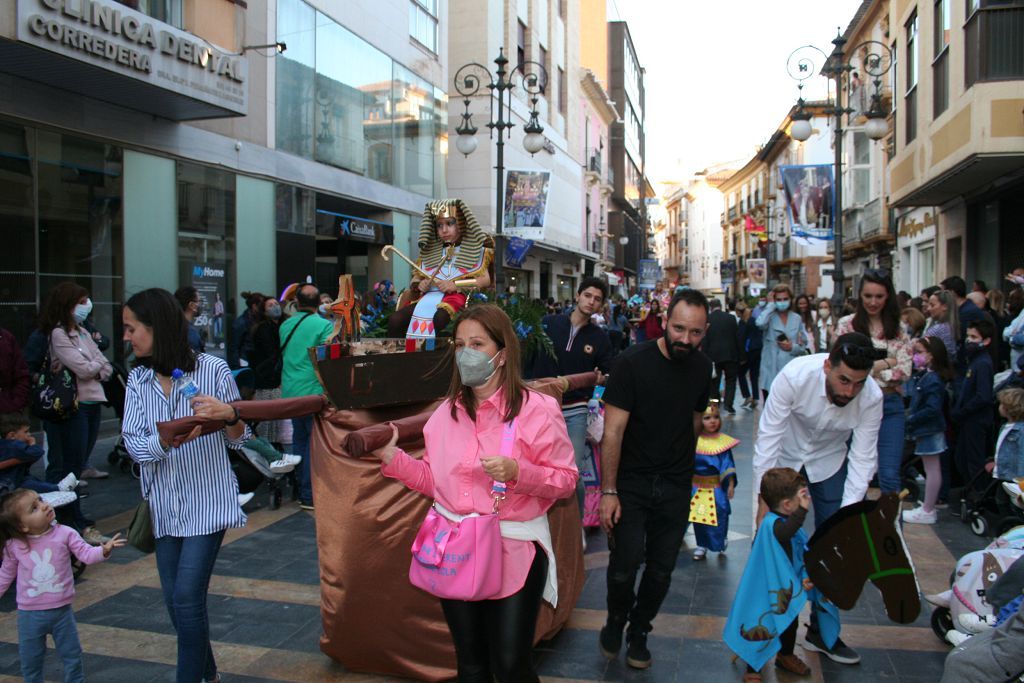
(714, 468)
(465, 262)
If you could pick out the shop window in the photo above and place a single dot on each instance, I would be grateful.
(353, 102)
(167, 11)
(80, 221)
(296, 26)
(423, 23)
(17, 216)
(206, 247)
(416, 124)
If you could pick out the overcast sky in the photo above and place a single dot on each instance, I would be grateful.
(716, 80)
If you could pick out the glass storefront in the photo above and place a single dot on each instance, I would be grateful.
(206, 247)
(343, 102)
(61, 208)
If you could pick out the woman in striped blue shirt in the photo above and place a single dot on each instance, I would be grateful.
(191, 489)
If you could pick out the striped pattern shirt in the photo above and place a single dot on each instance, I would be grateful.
(191, 488)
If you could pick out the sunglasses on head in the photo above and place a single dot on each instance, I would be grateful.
(877, 273)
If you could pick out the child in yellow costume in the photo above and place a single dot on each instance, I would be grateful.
(714, 482)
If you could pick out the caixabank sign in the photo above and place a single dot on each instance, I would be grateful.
(114, 37)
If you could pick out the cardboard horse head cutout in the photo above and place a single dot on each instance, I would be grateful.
(860, 543)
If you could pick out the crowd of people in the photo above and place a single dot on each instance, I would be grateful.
(845, 395)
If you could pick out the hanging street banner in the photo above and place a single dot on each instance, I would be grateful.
(515, 251)
(810, 199)
(757, 271)
(649, 275)
(526, 203)
(728, 270)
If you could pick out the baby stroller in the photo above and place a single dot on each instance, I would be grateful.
(963, 609)
(986, 505)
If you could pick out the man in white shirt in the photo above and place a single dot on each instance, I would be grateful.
(815, 405)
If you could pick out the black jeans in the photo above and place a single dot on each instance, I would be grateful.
(494, 638)
(730, 369)
(973, 448)
(650, 532)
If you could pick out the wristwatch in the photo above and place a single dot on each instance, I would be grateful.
(232, 422)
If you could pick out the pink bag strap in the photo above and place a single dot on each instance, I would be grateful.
(508, 438)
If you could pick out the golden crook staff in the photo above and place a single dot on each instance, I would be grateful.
(389, 247)
(470, 282)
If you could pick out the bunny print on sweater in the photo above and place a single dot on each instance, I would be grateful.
(42, 566)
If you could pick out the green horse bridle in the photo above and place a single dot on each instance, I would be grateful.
(880, 573)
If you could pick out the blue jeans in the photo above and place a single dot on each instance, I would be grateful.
(826, 499)
(577, 427)
(302, 430)
(890, 443)
(33, 625)
(70, 442)
(185, 565)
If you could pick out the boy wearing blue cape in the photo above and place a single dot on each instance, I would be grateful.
(774, 587)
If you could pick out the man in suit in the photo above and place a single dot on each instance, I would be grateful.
(721, 345)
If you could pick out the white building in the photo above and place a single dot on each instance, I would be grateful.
(705, 204)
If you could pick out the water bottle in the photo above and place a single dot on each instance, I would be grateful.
(186, 387)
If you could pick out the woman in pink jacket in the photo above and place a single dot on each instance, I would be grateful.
(71, 346)
(494, 638)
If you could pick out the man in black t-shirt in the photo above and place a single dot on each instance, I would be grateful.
(654, 401)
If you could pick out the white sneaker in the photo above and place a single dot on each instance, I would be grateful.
(244, 498)
(56, 499)
(956, 638)
(291, 458)
(68, 483)
(281, 466)
(919, 516)
(699, 554)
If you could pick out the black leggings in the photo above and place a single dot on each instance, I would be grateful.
(494, 638)
(398, 322)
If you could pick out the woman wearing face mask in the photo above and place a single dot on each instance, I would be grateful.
(494, 637)
(70, 442)
(825, 326)
(264, 359)
(783, 333)
(878, 316)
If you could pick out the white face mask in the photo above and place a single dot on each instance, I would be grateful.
(82, 311)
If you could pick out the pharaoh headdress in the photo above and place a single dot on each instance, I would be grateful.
(473, 240)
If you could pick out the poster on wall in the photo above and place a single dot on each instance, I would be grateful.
(515, 251)
(810, 199)
(728, 269)
(526, 203)
(649, 274)
(757, 271)
(211, 282)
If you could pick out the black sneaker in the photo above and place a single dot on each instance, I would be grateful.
(637, 654)
(840, 651)
(611, 637)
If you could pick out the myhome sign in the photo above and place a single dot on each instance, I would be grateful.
(112, 36)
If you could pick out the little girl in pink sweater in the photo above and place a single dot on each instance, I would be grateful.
(37, 551)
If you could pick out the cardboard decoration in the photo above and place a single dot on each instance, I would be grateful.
(860, 543)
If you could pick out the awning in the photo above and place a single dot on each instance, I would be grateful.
(970, 175)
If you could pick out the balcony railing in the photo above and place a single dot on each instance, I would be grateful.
(595, 163)
(994, 43)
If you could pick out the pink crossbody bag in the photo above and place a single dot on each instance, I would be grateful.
(462, 560)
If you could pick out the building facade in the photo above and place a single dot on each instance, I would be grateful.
(544, 32)
(959, 137)
(598, 115)
(176, 145)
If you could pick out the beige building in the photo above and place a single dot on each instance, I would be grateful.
(671, 237)
(957, 173)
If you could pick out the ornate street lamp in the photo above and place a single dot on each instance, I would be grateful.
(469, 80)
(876, 63)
